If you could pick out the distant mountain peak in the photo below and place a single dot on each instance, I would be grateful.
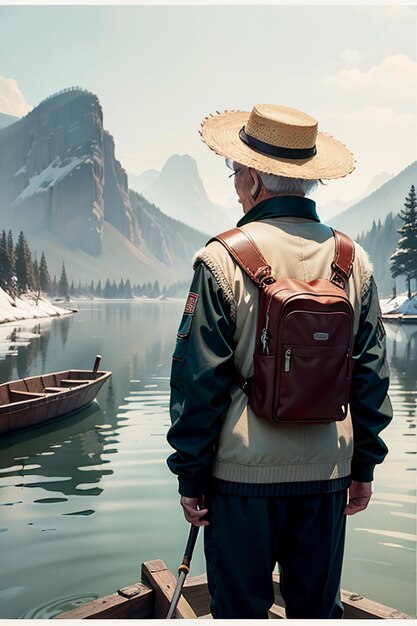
(182, 164)
(179, 192)
(387, 198)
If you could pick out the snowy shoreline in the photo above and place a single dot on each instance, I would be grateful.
(27, 306)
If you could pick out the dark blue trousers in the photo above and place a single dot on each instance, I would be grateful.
(247, 536)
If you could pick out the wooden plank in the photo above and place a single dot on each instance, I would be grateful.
(358, 607)
(276, 612)
(195, 591)
(163, 582)
(18, 396)
(355, 605)
(116, 606)
(71, 382)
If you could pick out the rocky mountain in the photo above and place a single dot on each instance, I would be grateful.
(179, 192)
(376, 182)
(389, 198)
(165, 237)
(61, 183)
(53, 164)
(139, 183)
(332, 208)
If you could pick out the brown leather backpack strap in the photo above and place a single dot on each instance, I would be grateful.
(246, 253)
(343, 258)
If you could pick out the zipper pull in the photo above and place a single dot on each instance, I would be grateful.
(265, 333)
(264, 340)
(287, 360)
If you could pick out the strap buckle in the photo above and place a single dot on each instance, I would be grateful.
(263, 275)
(339, 277)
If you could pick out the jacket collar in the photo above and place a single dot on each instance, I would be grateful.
(281, 206)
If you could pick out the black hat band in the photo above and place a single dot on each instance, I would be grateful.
(276, 151)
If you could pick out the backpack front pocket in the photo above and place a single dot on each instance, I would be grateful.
(313, 384)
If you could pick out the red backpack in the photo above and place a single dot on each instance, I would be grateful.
(303, 352)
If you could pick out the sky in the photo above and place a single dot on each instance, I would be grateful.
(158, 70)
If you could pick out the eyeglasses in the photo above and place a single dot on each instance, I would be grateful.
(236, 172)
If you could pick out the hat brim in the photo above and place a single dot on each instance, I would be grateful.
(221, 134)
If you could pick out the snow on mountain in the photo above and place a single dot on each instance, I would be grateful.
(62, 185)
(54, 173)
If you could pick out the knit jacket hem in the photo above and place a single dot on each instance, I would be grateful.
(280, 473)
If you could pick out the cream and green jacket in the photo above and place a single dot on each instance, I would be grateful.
(216, 436)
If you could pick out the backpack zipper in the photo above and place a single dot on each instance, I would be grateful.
(287, 360)
(264, 332)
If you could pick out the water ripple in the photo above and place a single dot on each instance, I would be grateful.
(59, 605)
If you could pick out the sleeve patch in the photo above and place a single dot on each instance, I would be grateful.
(191, 303)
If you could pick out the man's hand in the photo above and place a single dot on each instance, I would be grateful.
(193, 511)
(359, 496)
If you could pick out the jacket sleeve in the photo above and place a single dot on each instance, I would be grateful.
(201, 379)
(370, 405)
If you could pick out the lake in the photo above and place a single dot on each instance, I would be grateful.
(85, 500)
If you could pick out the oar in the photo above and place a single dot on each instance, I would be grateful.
(97, 363)
(183, 570)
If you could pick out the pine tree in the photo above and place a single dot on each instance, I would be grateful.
(6, 271)
(99, 289)
(36, 278)
(63, 283)
(44, 277)
(11, 253)
(24, 268)
(107, 290)
(121, 289)
(128, 290)
(404, 259)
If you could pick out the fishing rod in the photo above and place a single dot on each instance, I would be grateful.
(183, 569)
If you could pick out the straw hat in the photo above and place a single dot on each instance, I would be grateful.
(277, 140)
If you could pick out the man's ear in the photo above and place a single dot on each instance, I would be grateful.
(257, 184)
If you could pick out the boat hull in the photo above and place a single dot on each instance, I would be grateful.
(39, 399)
(150, 600)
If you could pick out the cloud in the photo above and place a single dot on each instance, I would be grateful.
(349, 55)
(380, 139)
(12, 100)
(392, 83)
(372, 112)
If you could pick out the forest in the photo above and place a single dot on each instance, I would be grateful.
(391, 246)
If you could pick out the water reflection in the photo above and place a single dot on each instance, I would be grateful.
(86, 499)
(54, 456)
(402, 343)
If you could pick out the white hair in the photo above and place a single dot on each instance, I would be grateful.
(283, 184)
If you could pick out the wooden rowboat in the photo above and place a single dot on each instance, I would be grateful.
(150, 600)
(37, 399)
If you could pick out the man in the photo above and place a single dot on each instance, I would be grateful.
(269, 493)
